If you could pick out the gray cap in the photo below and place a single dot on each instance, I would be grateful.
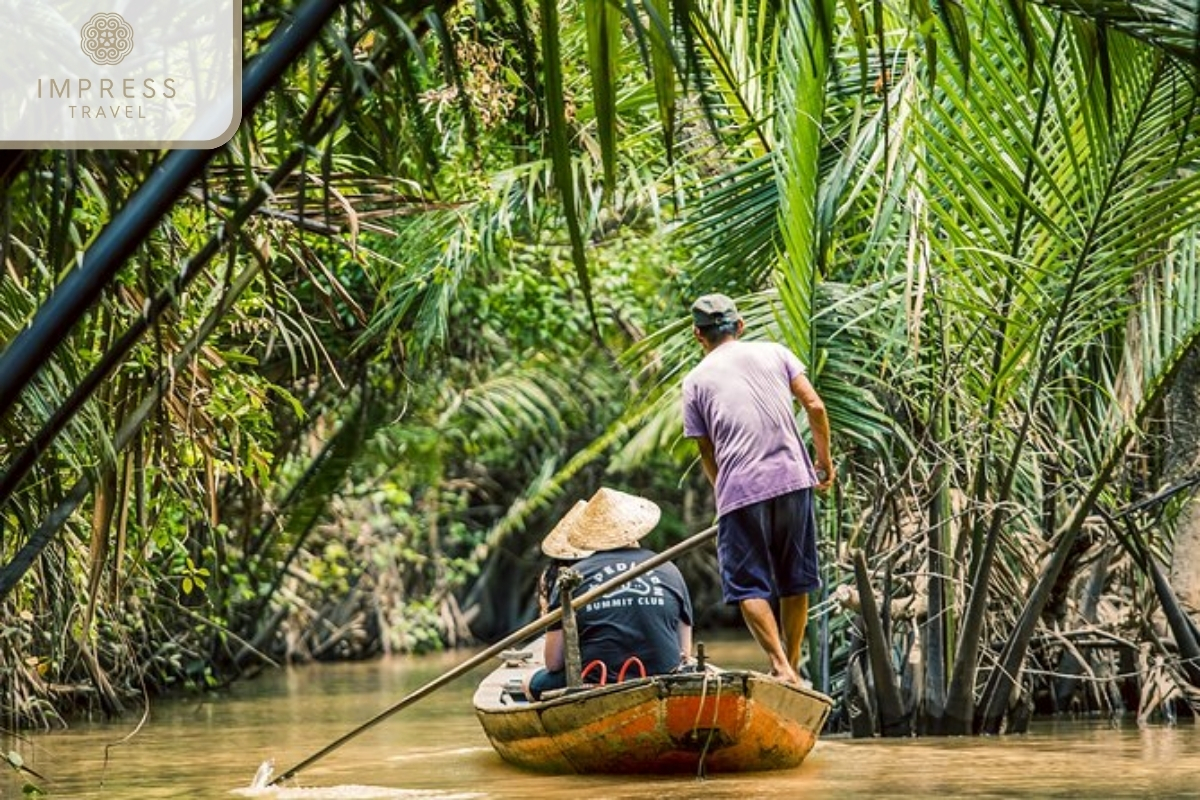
(714, 309)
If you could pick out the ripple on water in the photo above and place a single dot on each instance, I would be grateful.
(437, 752)
(261, 787)
(350, 792)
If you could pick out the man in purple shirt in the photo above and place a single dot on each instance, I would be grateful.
(737, 405)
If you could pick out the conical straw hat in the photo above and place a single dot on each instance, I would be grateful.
(613, 519)
(556, 545)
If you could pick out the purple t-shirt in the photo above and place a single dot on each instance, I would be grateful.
(740, 398)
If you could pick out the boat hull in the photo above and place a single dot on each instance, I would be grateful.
(716, 721)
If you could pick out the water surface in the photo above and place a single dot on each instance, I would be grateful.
(211, 747)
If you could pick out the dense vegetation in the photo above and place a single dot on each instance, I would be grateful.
(435, 289)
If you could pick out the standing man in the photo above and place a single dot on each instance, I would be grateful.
(737, 405)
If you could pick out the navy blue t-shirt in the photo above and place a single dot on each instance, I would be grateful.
(639, 618)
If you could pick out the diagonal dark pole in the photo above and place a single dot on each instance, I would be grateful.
(77, 292)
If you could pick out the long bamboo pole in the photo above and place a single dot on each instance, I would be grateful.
(537, 626)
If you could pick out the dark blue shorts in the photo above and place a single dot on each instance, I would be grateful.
(769, 549)
(543, 681)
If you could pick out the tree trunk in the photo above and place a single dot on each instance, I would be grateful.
(933, 627)
(1070, 667)
(892, 719)
(1183, 459)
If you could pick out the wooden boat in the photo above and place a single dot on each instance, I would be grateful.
(712, 720)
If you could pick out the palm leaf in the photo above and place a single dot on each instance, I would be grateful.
(1170, 25)
(603, 20)
(560, 152)
(663, 68)
(804, 64)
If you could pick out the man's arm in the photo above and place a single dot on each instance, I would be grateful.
(685, 640)
(708, 458)
(554, 652)
(818, 422)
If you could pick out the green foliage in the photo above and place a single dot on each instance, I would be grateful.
(454, 253)
(193, 576)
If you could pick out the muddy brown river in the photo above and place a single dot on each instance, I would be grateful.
(211, 748)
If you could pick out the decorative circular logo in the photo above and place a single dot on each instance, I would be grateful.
(107, 38)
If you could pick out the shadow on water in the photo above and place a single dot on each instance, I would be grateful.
(211, 748)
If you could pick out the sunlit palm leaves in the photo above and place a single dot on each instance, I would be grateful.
(1097, 177)
(1009, 218)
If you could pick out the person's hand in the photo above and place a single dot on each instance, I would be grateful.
(826, 474)
(686, 664)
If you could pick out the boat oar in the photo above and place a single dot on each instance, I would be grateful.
(537, 626)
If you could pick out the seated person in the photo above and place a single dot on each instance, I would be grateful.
(649, 618)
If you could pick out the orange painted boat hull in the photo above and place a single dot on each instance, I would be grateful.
(716, 721)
